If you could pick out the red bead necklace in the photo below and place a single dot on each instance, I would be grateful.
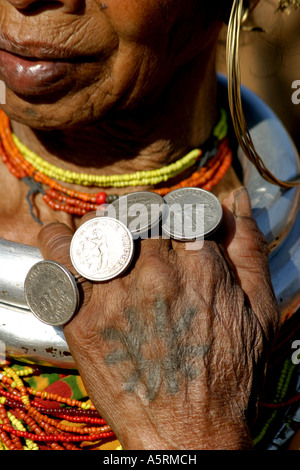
(61, 198)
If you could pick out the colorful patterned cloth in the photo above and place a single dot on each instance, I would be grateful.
(278, 420)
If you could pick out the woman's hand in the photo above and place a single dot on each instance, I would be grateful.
(173, 353)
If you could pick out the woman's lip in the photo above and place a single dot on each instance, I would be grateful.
(31, 76)
(34, 49)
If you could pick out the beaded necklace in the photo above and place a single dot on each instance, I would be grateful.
(31, 423)
(209, 164)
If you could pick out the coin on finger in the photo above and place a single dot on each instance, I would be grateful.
(140, 211)
(101, 249)
(51, 293)
(193, 214)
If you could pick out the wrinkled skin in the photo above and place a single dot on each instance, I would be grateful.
(127, 51)
(173, 353)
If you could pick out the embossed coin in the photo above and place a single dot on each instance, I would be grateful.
(193, 214)
(140, 211)
(51, 293)
(101, 249)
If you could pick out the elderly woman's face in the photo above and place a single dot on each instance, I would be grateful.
(71, 61)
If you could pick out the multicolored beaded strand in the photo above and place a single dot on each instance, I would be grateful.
(78, 203)
(24, 422)
(282, 387)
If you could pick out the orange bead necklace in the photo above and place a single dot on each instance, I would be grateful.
(60, 198)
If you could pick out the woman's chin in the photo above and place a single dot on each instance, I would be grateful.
(61, 112)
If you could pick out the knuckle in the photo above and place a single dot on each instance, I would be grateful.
(155, 277)
(207, 270)
(212, 259)
(55, 239)
(253, 237)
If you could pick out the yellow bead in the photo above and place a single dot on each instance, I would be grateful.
(31, 445)
(136, 179)
(3, 446)
(25, 399)
(85, 406)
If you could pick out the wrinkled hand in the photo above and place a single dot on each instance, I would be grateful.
(173, 353)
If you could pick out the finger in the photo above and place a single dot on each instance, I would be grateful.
(193, 248)
(87, 216)
(247, 250)
(151, 255)
(54, 242)
(188, 248)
